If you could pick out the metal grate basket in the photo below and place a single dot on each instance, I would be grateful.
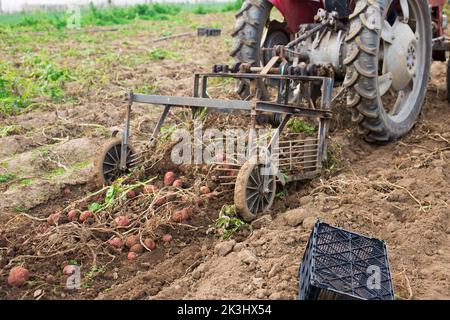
(342, 265)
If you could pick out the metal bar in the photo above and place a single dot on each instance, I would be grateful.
(157, 129)
(327, 95)
(262, 106)
(262, 76)
(204, 86)
(286, 109)
(175, 101)
(126, 134)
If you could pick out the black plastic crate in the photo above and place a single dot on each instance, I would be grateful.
(208, 32)
(340, 265)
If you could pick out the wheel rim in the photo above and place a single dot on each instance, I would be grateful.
(259, 190)
(273, 39)
(402, 65)
(111, 163)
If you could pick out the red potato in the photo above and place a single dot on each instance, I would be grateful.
(205, 190)
(150, 244)
(131, 194)
(122, 221)
(18, 276)
(116, 242)
(53, 218)
(131, 241)
(149, 189)
(69, 270)
(179, 216)
(167, 238)
(72, 215)
(169, 178)
(132, 255)
(137, 248)
(43, 228)
(178, 183)
(160, 201)
(85, 215)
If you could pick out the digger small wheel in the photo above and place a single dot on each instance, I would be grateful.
(108, 162)
(252, 195)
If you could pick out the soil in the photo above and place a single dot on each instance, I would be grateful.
(398, 193)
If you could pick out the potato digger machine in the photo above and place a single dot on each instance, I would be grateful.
(373, 54)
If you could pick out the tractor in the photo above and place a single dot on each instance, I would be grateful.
(380, 52)
(372, 55)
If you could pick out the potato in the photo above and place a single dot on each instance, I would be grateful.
(169, 178)
(131, 194)
(205, 190)
(122, 221)
(43, 228)
(131, 241)
(137, 248)
(85, 215)
(160, 201)
(69, 270)
(132, 255)
(178, 216)
(178, 183)
(150, 244)
(18, 276)
(149, 189)
(116, 242)
(72, 215)
(167, 238)
(53, 218)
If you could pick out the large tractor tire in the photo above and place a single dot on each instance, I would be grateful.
(388, 65)
(253, 30)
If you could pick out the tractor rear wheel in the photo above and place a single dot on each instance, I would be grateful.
(388, 64)
(253, 30)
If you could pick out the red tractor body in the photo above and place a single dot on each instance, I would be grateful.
(298, 12)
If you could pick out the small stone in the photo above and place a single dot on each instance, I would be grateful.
(428, 234)
(247, 257)
(224, 248)
(196, 274)
(275, 269)
(63, 295)
(277, 296)
(295, 217)
(260, 294)
(37, 293)
(115, 276)
(247, 290)
(309, 222)
(239, 246)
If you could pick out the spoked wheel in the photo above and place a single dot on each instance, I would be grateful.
(254, 191)
(108, 162)
(388, 65)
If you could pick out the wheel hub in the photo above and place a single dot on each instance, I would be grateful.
(400, 56)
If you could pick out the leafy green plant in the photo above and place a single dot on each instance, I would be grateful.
(228, 223)
(281, 195)
(300, 126)
(92, 274)
(6, 177)
(10, 130)
(161, 54)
